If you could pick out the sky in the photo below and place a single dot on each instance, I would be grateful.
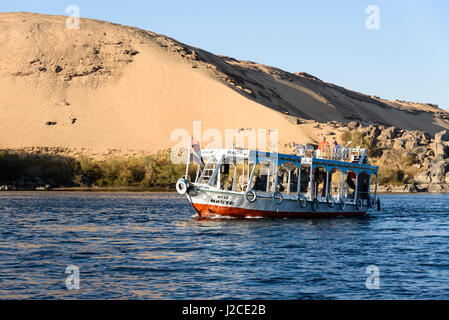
(405, 58)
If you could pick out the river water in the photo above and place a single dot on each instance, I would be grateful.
(150, 246)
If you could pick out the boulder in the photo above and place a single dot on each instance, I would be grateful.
(423, 177)
(389, 133)
(441, 150)
(438, 170)
(399, 143)
(386, 144)
(422, 187)
(422, 137)
(438, 188)
(353, 125)
(7, 187)
(372, 131)
(411, 144)
(442, 136)
(418, 138)
(446, 178)
(410, 188)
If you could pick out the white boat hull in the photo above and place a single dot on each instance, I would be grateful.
(211, 203)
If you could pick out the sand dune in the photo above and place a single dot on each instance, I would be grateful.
(109, 87)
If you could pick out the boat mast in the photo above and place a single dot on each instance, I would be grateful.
(188, 159)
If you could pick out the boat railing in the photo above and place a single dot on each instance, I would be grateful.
(307, 151)
(340, 153)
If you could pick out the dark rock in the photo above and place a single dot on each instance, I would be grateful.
(388, 133)
(442, 136)
(372, 131)
(438, 170)
(131, 52)
(423, 177)
(441, 150)
(96, 68)
(7, 187)
(353, 125)
(411, 144)
(399, 143)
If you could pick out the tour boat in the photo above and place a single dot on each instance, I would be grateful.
(309, 184)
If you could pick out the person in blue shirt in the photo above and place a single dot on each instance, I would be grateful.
(336, 147)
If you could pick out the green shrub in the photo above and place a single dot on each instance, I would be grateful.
(145, 172)
(407, 160)
(358, 138)
(391, 176)
(15, 166)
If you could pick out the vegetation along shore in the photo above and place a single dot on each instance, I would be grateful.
(409, 161)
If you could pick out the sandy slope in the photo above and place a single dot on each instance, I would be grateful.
(106, 87)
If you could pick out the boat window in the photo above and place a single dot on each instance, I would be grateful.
(335, 184)
(305, 179)
(363, 185)
(228, 174)
(225, 176)
(243, 173)
(264, 177)
(319, 183)
(233, 174)
(350, 184)
(288, 178)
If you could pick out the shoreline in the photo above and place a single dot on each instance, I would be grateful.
(94, 189)
(162, 190)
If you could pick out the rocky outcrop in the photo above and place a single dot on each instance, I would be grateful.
(425, 159)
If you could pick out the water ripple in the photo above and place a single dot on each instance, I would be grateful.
(148, 246)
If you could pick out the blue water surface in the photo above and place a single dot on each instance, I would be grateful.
(149, 246)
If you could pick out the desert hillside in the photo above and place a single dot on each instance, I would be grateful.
(106, 87)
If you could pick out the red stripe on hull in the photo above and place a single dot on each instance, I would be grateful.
(207, 210)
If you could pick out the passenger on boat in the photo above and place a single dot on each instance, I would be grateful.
(324, 149)
(363, 186)
(324, 145)
(305, 178)
(319, 178)
(350, 181)
(260, 183)
(282, 180)
(323, 179)
(336, 148)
